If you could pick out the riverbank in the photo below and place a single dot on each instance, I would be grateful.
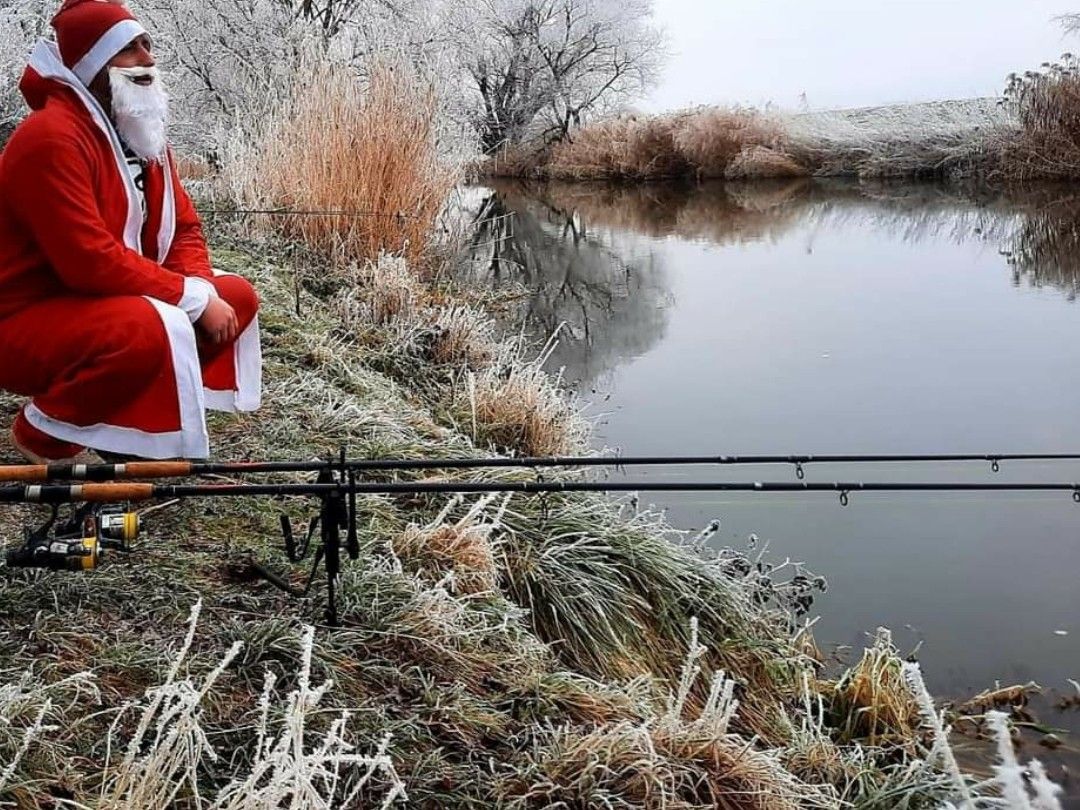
(496, 652)
(1028, 134)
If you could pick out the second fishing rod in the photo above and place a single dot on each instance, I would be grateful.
(44, 473)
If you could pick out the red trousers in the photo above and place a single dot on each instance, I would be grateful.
(110, 369)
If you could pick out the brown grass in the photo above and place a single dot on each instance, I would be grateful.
(368, 151)
(464, 337)
(637, 765)
(711, 142)
(872, 703)
(192, 168)
(521, 410)
(1047, 104)
(462, 550)
(765, 163)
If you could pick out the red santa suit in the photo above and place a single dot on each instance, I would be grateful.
(98, 295)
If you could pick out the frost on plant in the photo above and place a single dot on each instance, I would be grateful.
(289, 772)
(1042, 795)
(291, 766)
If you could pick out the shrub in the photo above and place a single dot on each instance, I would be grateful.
(699, 143)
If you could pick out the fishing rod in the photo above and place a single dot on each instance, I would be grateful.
(138, 492)
(181, 469)
(106, 526)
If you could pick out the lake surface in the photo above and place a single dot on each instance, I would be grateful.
(810, 317)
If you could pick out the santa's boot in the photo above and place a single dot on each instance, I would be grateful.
(39, 447)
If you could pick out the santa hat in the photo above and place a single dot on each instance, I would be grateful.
(91, 32)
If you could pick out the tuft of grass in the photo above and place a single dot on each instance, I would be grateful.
(678, 757)
(460, 551)
(873, 702)
(518, 408)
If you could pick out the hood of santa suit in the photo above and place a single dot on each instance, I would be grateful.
(89, 33)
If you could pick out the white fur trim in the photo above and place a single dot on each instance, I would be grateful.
(191, 441)
(247, 359)
(249, 368)
(45, 60)
(168, 212)
(110, 438)
(197, 294)
(109, 45)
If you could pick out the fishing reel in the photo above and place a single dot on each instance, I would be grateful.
(77, 543)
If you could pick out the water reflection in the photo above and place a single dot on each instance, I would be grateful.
(601, 302)
(584, 260)
(1045, 249)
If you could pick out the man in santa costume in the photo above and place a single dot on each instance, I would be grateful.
(112, 320)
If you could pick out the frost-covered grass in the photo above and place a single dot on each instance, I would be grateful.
(938, 139)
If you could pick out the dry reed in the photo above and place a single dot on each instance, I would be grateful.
(368, 151)
(1046, 105)
(702, 143)
(521, 410)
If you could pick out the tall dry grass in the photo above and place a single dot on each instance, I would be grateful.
(701, 143)
(358, 161)
(1047, 106)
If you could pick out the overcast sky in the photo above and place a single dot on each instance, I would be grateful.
(843, 53)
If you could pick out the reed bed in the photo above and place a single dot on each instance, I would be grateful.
(1047, 104)
(367, 150)
(703, 144)
(1031, 132)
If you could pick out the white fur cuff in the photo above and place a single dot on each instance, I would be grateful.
(197, 292)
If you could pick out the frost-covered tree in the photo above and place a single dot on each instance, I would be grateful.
(540, 66)
(232, 63)
(21, 23)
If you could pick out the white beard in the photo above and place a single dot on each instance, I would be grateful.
(140, 112)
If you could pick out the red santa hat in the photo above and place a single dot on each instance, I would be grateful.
(91, 32)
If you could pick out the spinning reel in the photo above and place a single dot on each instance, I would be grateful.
(77, 543)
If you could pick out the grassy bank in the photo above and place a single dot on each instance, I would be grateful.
(947, 139)
(1031, 132)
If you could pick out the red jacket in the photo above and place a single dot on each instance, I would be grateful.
(64, 208)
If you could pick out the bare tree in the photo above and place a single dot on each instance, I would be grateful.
(541, 66)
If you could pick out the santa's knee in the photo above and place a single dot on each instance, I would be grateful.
(238, 293)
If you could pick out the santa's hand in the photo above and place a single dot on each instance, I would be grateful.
(218, 323)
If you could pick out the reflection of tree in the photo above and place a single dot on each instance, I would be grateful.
(721, 213)
(606, 301)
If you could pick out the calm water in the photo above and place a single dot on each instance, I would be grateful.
(833, 318)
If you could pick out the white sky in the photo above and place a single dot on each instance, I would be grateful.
(845, 53)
